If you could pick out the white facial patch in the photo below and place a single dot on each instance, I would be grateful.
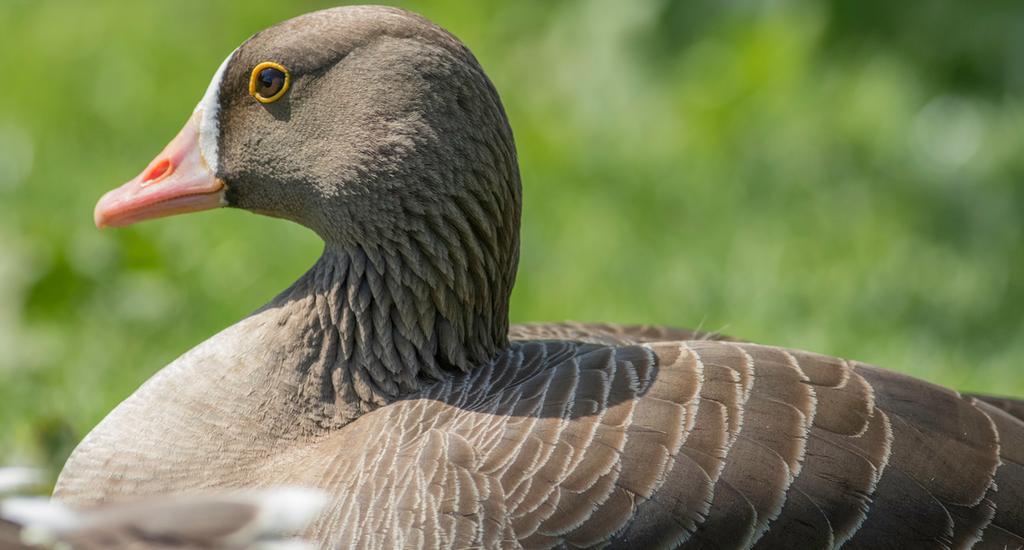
(209, 124)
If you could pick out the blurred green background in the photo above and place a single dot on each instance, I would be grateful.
(845, 177)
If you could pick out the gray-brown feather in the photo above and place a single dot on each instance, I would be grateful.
(561, 444)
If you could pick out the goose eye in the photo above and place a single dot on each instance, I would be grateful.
(269, 81)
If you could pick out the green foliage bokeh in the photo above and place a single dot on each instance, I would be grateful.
(840, 176)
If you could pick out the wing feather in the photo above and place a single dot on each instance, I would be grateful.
(701, 443)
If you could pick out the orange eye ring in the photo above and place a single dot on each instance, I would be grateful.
(269, 81)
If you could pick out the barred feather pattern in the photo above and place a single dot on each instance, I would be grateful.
(693, 444)
(605, 437)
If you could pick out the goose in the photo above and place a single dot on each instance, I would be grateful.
(388, 375)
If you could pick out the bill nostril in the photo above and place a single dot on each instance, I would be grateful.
(158, 171)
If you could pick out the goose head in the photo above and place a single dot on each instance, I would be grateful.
(379, 131)
(350, 121)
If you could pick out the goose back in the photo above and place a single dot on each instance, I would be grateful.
(695, 444)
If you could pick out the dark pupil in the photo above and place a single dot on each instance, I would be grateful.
(270, 82)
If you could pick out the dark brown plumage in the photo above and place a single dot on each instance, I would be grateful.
(388, 375)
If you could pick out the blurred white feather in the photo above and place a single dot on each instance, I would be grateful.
(267, 519)
(18, 479)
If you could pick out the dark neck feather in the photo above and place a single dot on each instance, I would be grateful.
(375, 323)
